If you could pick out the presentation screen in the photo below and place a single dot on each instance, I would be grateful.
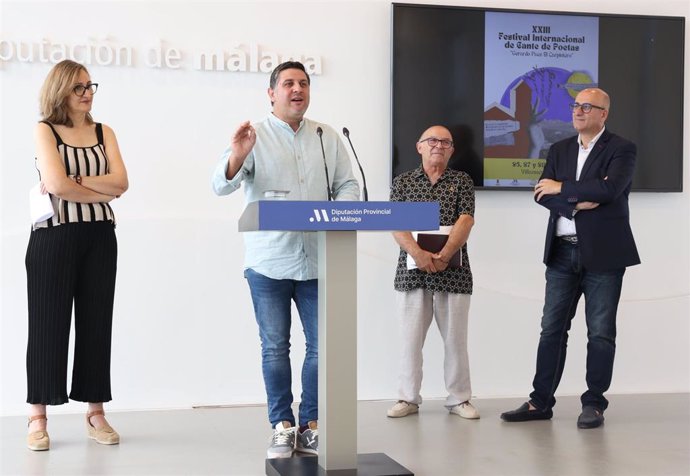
(503, 80)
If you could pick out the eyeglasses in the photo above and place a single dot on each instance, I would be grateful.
(440, 143)
(81, 89)
(585, 106)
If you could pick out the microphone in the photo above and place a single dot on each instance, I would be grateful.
(364, 179)
(319, 131)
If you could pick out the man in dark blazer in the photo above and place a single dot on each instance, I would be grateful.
(589, 243)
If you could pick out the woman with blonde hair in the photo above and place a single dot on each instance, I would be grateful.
(72, 256)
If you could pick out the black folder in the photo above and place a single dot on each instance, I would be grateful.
(435, 243)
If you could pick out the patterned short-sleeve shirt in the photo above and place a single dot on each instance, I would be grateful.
(454, 191)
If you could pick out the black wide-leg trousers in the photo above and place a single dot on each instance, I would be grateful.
(70, 263)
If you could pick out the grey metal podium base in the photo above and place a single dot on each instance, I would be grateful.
(368, 464)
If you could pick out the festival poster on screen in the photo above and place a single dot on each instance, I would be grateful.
(535, 65)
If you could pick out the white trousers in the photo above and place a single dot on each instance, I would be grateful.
(416, 309)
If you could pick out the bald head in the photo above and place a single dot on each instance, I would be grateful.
(590, 123)
(435, 146)
(596, 96)
(439, 132)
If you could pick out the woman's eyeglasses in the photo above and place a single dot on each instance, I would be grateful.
(80, 89)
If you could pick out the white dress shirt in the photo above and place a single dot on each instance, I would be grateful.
(566, 226)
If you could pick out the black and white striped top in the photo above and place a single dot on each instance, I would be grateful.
(84, 161)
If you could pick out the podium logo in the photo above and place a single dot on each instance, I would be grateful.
(320, 215)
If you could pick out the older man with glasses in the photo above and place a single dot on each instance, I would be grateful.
(433, 278)
(589, 243)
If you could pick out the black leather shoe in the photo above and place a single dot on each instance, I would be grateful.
(523, 413)
(590, 417)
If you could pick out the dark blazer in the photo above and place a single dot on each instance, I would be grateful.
(604, 235)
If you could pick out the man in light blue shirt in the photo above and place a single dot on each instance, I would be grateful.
(283, 152)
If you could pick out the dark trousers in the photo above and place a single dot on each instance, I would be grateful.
(71, 263)
(566, 281)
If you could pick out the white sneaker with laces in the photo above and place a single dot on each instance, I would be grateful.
(402, 409)
(465, 410)
(283, 441)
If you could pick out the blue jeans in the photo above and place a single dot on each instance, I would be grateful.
(566, 281)
(272, 307)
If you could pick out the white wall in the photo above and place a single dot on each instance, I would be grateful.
(184, 330)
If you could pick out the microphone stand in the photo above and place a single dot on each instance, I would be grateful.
(319, 131)
(364, 179)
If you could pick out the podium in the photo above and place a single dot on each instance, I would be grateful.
(337, 224)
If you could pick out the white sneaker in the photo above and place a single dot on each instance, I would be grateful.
(465, 410)
(402, 409)
(283, 441)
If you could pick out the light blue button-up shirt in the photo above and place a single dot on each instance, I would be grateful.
(283, 159)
